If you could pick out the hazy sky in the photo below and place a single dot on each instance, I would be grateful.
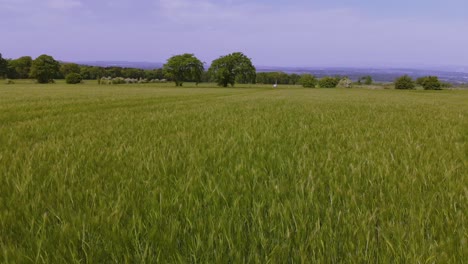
(272, 32)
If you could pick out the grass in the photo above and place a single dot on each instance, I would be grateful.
(146, 174)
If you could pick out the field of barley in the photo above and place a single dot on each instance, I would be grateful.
(158, 174)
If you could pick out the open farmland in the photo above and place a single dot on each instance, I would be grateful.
(153, 173)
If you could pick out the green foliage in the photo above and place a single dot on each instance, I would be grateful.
(115, 174)
(67, 68)
(420, 80)
(118, 80)
(20, 68)
(345, 83)
(405, 83)
(92, 72)
(3, 67)
(430, 83)
(232, 68)
(185, 67)
(294, 79)
(44, 68)
(113, 72)
(273, 78)
(73, 78)
(308, 81)
(366, 80)
(156, 74)
(329, 82)
(446, 85)
(133, 73)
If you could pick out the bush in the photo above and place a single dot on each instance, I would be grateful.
(118, 80)
(345, 83)
(308, 81)
(431, 83)
(404, 82)
(73, 78)
(8, 81)
(328, 82)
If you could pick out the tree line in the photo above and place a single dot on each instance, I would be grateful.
(225, 71)
(45, 68)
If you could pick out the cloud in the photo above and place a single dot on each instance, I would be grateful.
(64, 4)
(305, 34)
(207, 14)
(271, 32)
(31, 6)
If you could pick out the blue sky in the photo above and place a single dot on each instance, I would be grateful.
(318, 33)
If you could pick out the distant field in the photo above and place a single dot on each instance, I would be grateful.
(153, 173)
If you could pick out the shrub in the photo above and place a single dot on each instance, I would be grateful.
(431, 83)
(106, 80)
(328, 82)
(404, 82)
(73, 78)
(308, 81)
(118, 80)
(9, 81)
(345, 83)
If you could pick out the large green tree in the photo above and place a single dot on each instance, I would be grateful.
(430, 83)
(232, 68)
(185, 67)
(20, 68)
(44, 68)
(3, 67)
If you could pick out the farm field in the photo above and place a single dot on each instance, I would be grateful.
(158, 174)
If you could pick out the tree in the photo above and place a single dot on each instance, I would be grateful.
(3, 67)
(431, 83)
(156, 74)
(328, 82)
(185, 67)
(420, 80)
(273, 78)
(73, 78)
(308, 81)
(67, 68)
(92, 72)
(113, 72)
(44, 68)
(404, 82)
(294, 79)
(20, 68)
(366, 80)
(232, 68)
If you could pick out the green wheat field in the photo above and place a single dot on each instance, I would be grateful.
(158, 174)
